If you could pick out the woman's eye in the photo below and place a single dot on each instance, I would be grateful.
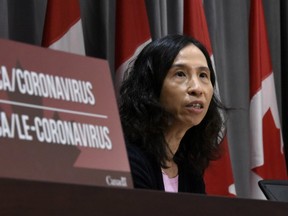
(180, 74)
(204, 75)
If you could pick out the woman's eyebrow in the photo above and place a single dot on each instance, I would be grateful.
(204, 68)
(184, 65)
(178, 65)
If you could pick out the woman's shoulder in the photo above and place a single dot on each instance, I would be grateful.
(188, 174)
(144, 169)
(137, 156)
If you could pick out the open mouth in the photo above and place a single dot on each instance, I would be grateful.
(196, 105)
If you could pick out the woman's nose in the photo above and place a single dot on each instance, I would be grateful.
(194, 87)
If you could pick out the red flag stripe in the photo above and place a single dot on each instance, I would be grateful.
(60, 17)
(262, 66)
(132, 34)
(195, 22)
(132, 28)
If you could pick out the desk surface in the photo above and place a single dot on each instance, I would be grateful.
(19, 197)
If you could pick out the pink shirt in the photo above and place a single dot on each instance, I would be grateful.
(170, 184)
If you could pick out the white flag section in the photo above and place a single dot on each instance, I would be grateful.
(131, 34)
(267, 154)
(63, 28)
(218, 176)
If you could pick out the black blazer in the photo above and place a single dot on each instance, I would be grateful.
(146, 173)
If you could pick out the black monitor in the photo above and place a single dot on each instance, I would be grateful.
(276, 190)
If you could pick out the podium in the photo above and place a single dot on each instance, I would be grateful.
(23, 197)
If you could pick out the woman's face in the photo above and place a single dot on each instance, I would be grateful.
(187, 89)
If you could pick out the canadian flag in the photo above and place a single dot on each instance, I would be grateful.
(63, 28)
(132, 34)
(267, 157)
(218, 176)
